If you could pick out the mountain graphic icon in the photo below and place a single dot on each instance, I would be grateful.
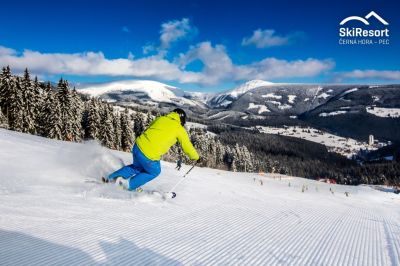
(365, 20)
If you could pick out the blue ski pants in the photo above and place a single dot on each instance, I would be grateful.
(140, 172)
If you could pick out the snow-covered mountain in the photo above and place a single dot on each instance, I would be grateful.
(51, 216)
(265, 98)
(142, 91)
(331, 107)
(226, 98)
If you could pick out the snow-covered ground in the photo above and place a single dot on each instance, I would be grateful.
(261, 108)
(345, 146)
(242, 89)
(323, 95)
(384, 112)
(156, 91)
(271, 95)
(280, 105)
(50, 216)
(333, 113)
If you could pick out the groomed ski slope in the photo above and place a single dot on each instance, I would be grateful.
(50, 216)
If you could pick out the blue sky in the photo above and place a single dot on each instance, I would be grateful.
(197, 45)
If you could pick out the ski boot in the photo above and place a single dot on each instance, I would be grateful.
(122, 183)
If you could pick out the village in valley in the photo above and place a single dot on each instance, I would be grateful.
(348, 147)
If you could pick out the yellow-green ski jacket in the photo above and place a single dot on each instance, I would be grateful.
(162, 133)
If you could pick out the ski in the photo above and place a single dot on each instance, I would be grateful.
(104, 181)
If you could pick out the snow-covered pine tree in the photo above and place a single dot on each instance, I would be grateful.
(219, 154)
(16, 106)
(247, 160)
(94, 119)
(40, 93)
(3, 120)
(30, 96)
(66, 108)
(77, 112)
(139, 123)
(54, 125)
(6, 82)
(212, 152)
(148, 120)
(117, 131)
(45, 110)
(200, 142)
(11, 99)
(107, 128)
(238, 158)
(229, 158)
(127, 135)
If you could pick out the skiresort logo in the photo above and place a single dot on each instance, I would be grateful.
(364, 36)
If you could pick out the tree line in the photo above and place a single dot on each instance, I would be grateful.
(59, 112)
(299, 157)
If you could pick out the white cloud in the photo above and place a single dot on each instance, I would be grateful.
(371, 74)
(217, 65)
(268, 38)
(272, 68)
(174, 30)
(170, 32)
(148, 49)
(6, 51)
(89, 63)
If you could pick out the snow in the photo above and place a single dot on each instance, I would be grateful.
(280, 105)
(351, 90)
(272, 95)
(285, 106)
(332, 113)
(190, 125)
(274, 102)
(261, 108)
(50, 216)
(384, 112)
(345, 146)
(252, 84)
(157, 91)
(375, 98)
(291, 98)
(323, 95)
(223, 98)
(225, 103)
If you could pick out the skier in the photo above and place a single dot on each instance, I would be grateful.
(179, 164)
(155, 141)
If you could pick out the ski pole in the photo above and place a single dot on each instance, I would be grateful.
(171, 190)
(190, 169)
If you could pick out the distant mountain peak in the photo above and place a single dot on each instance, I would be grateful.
(249, 85)
(225, 99)
(145, 91)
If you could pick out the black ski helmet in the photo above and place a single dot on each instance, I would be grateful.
(182, 115)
